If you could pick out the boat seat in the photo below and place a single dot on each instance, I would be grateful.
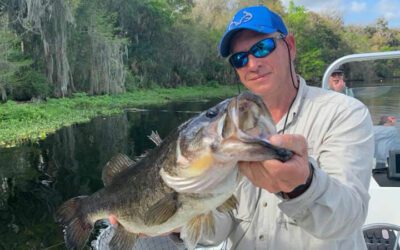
(382, 236)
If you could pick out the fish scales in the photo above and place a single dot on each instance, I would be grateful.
(190, 174)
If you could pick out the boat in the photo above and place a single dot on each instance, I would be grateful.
(382, 225)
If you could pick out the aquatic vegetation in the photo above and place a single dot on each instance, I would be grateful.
(33, 121)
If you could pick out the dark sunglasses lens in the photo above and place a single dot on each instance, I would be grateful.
(336, 74)
(238, 60)
(263, 48)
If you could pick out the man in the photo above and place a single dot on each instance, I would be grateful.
(337, 83)
(386, 138)
(319, 198)
(387, 120)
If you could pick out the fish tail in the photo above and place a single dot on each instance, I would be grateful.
(77, 228)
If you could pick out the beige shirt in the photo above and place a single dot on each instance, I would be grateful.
(329, 215)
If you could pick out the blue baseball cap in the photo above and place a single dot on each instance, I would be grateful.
(256, 18)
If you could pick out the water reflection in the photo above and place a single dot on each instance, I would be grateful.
(36, 178)
(382, 100)
(371, 92)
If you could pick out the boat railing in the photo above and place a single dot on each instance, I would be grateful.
(357, 58)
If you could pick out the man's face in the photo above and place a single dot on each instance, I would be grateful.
(391, 121)
(336, 82)
(263, 76)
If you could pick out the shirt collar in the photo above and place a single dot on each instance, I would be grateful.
(296, 107)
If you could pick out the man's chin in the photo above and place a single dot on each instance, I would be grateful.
(261, 90)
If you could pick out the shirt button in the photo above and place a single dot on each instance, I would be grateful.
(261, 237)
(265, 204)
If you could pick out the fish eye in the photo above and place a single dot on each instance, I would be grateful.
(211, 113)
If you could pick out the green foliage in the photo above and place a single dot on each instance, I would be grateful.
(29, 84)
(33, 121)
(319, 41)
(11, 59)
(169, 43)
(132, 82)
(311, 62)
(296, 18)
(97, 49)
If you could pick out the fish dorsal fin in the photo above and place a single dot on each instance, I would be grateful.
(162, 210)
(155, 137)
(118, 163)
(200, 225)
(229, 205)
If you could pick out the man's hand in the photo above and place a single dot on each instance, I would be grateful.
(276, 176)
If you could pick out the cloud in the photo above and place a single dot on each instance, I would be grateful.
(357, 6)
(360, 12)
(389, 9)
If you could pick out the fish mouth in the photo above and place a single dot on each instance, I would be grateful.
(250, 117)
(238, 131)
(250, 123)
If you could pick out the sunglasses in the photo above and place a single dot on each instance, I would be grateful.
(336, 74)
(259, 50)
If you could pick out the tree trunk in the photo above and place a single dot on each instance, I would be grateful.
(50, 19)
(3, 94)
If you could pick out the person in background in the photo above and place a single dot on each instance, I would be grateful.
(337, 83)
(387, 120)
(319, 198)
(386, 138)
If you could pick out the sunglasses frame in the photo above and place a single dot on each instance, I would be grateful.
(247, 53)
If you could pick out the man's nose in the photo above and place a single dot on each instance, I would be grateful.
(253, 62)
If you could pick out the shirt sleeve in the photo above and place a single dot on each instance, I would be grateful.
(336, 203)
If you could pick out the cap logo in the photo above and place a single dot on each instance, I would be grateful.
(247, 16)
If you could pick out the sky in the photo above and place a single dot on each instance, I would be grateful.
(358, 12)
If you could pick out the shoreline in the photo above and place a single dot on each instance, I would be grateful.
(33, 121)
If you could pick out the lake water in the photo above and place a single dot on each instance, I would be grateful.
(36, 178)
(381, 100)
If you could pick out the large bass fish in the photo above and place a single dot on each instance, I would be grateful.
(179, 183)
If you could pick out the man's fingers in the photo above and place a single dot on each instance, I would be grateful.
(246, 169)
(258, 175)
(296, 143)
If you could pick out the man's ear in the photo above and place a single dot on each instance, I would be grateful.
(292, 45)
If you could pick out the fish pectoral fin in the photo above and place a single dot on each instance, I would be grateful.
(122, 239)
(115, 166)
(229, 205)
(208, 225)
(200, 225)
(77, 227)
(162, 210)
